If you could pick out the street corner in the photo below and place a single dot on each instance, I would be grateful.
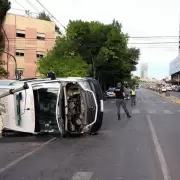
(170, 98)
(174, 101)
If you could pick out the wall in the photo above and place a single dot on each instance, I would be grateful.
(30, 45)
(174, 66)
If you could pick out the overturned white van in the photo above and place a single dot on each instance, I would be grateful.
(65, 106)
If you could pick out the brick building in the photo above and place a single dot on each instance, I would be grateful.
(29, 38)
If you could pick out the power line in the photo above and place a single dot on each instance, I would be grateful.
(148, 37)
(32, 6)
(155, 42)
(20, 4)
(95, 41)
(22, 10)
(50, 13)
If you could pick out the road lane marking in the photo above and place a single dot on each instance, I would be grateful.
(25, 156)
(178, 110)
(135, 111)
(151, 111)
(159, 151)
(167, 112)
(82, 176)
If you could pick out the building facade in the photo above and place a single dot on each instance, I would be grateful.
(28, 40)
(174, 70)
(174, 67)
(144, 70)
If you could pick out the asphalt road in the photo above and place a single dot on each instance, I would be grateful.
(145, 147)
(176, 94)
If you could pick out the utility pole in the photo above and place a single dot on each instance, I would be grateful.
(15, 62)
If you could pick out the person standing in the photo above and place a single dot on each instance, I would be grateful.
(120, 94)
(133, 96)
(51, 75)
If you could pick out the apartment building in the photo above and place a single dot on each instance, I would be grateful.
(144, 70)
(28, 40)
(174, 71)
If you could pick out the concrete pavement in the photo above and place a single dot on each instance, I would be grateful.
(145, 147)
(174, 97)
(176, 94)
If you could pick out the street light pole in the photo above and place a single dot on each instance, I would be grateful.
(15, 62)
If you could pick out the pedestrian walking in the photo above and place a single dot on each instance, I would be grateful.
(133, 96)
(120, 94)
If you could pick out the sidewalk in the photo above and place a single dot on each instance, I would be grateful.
(170, 98)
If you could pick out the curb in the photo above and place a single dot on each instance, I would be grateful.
(167, 98)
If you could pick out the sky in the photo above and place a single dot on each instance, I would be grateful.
(139, 18)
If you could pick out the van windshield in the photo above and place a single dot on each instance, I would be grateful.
(45, 100)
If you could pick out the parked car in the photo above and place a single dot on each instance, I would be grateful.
(176, 88)
(127, 93)
(110, 92)
(168, 88)
(163, 89)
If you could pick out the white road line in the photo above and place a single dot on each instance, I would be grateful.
(82, 176)
(151, 111)
(167, 112)
(178, 110)
(159, 151)
(25, 156)
(135, 111)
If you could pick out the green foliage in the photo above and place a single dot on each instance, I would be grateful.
(134, 81)
(5, 5)
(63, 61)
(3, 72)
(103, 48)
(43, 16)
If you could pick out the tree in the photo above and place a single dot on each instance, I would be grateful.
(43, 16)
(5, 5)
(63, 61)
(105, 47)
(102, 47)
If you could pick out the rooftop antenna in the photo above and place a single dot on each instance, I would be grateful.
(28, 13)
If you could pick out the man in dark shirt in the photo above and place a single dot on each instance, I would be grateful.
(120, 94)
(51, 75)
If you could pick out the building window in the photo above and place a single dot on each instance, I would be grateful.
(20, 71)
(39, 54)
(40, 36)
(19, 52)
(20, 33)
